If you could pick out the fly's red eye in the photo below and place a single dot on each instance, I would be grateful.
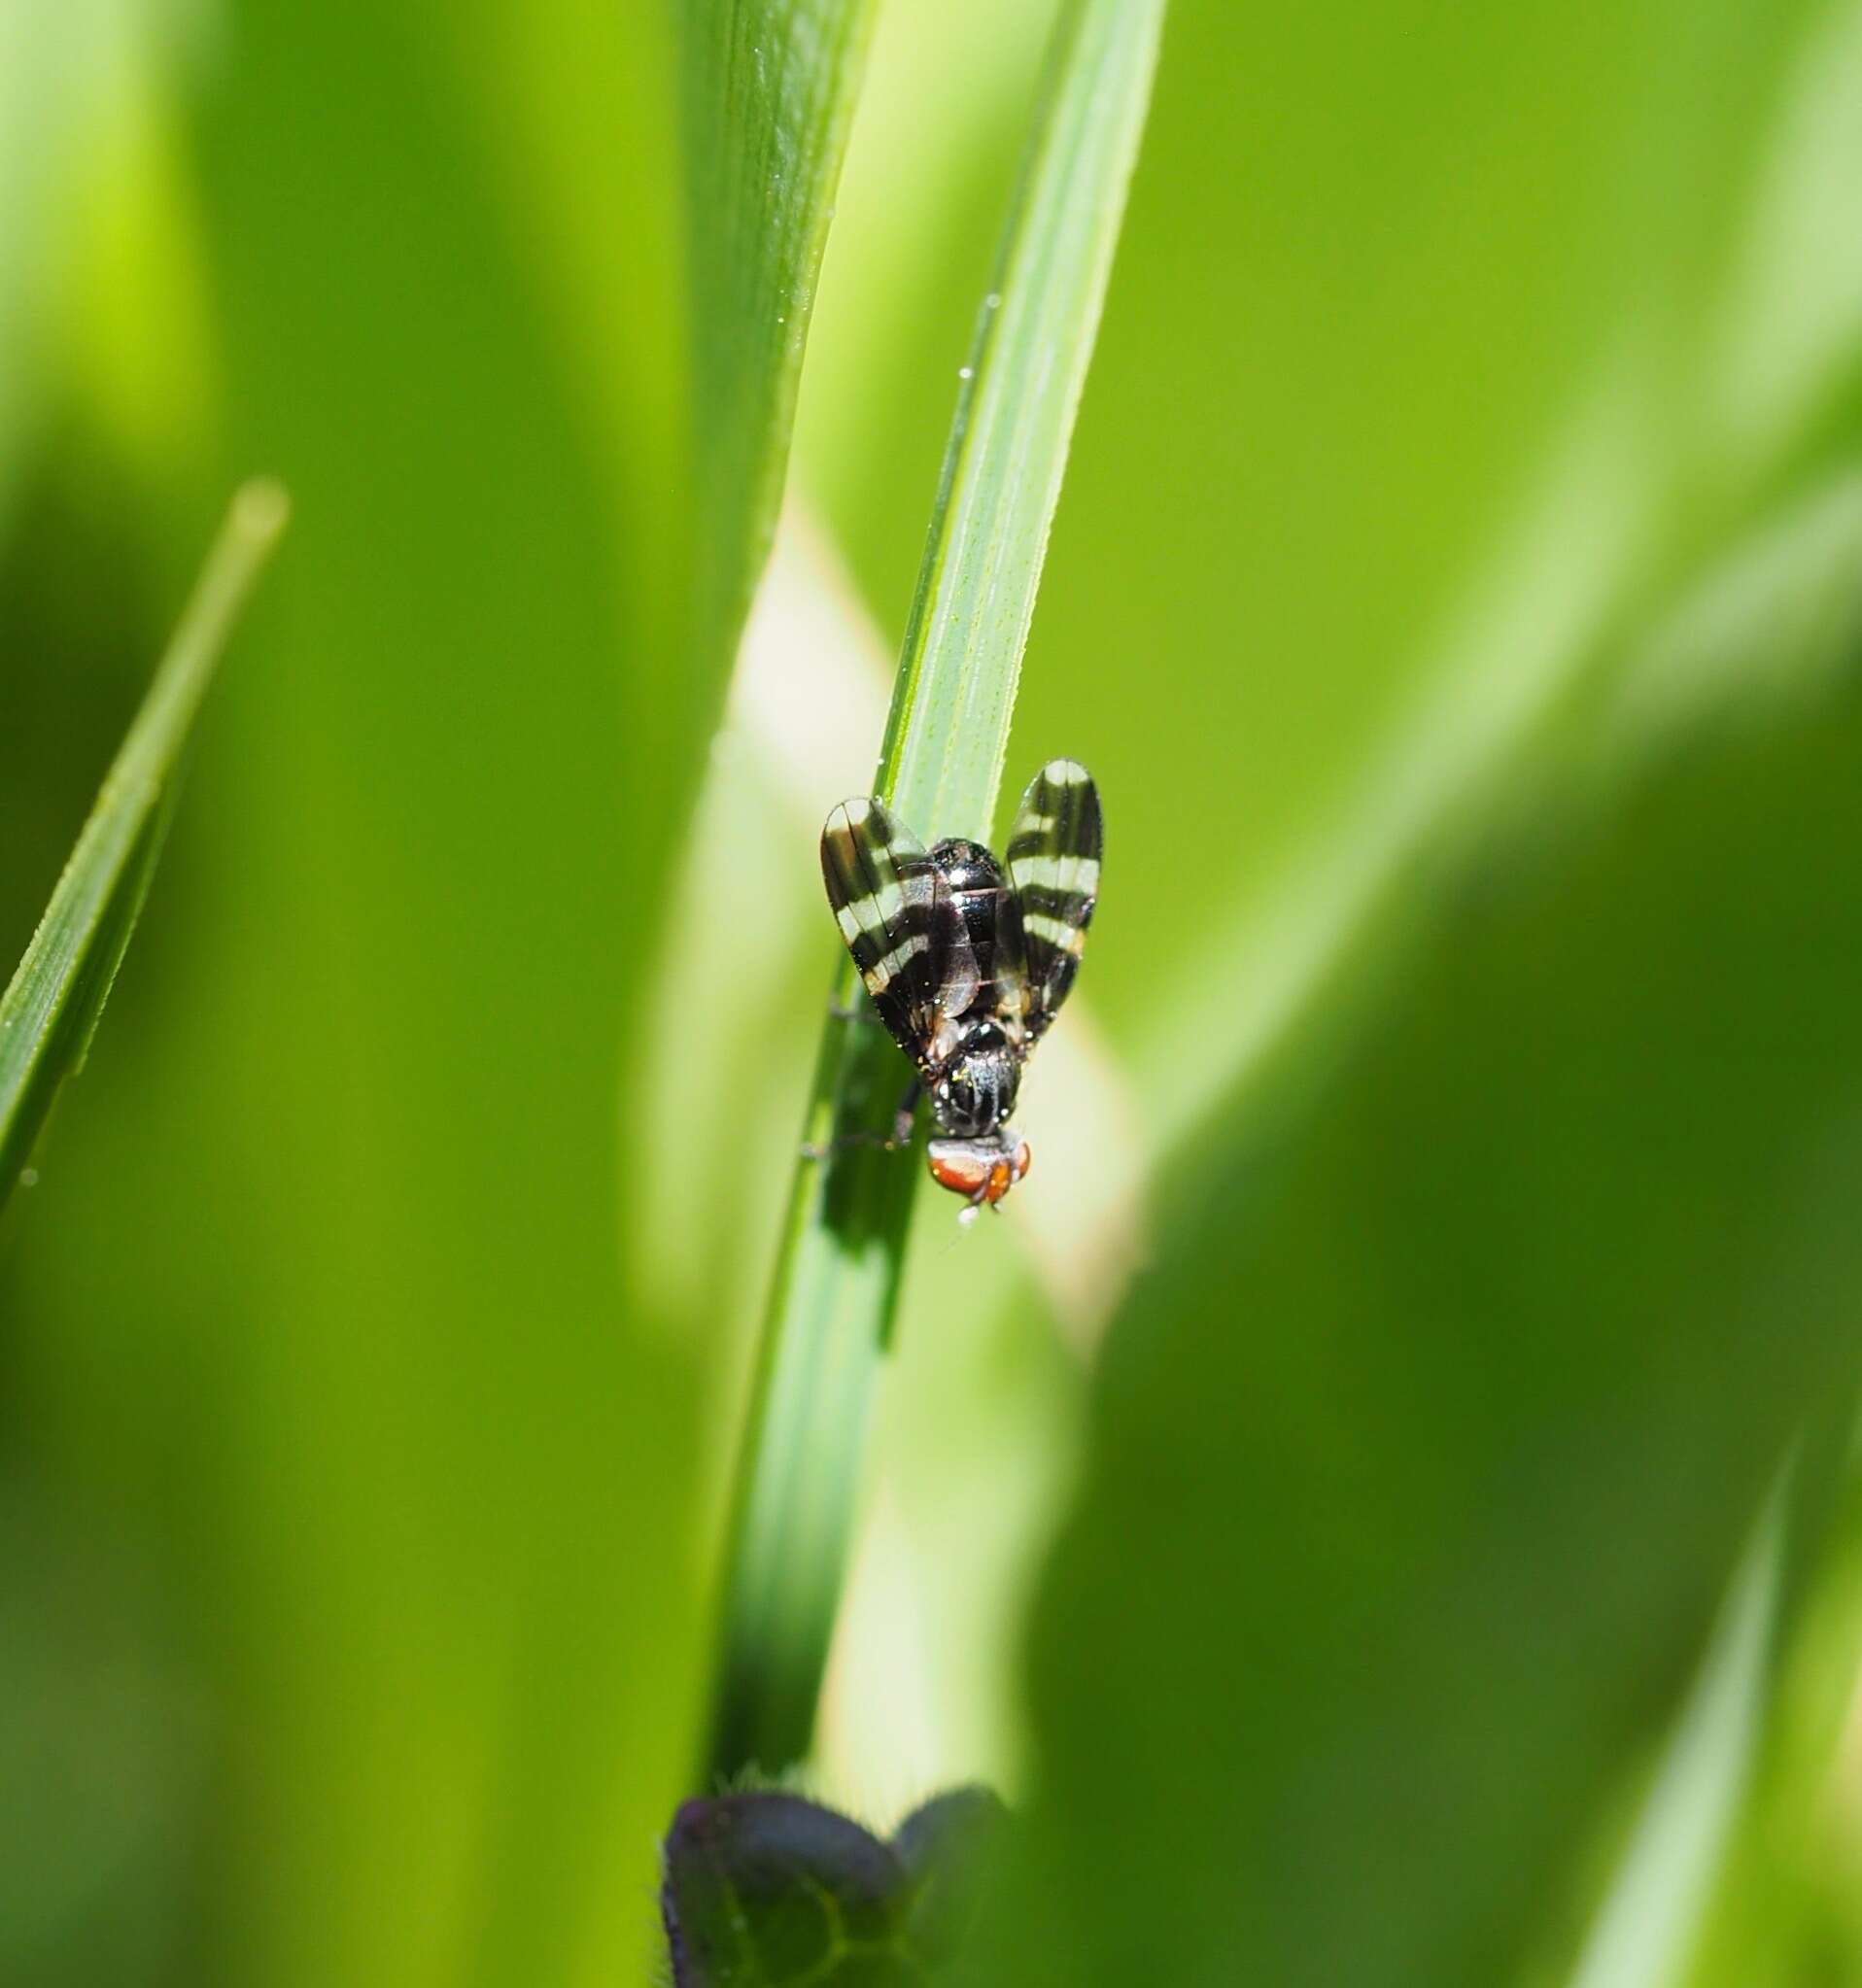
(952, 1166)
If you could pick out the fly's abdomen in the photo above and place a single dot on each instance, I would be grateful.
(981, 897)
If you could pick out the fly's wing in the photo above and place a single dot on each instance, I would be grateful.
(901, 924)
(1054, 872)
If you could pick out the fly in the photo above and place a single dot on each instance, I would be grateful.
(968, 957)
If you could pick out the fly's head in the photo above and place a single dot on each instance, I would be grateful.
(981, 1170)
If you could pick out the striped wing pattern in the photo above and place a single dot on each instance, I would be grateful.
(901, 924)
(1054, 870)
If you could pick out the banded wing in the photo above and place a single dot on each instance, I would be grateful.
(1053, 870)
(901, 924)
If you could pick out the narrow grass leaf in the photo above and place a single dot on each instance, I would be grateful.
(947, 731)
(50, 1010)
(838, 1275)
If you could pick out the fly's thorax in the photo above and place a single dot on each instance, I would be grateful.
(976, 1090)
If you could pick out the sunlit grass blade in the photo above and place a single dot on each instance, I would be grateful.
(50, 1010)
(941, 764)
(769, 88)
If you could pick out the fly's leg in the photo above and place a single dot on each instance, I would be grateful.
(893, 1141)
(974, 1204)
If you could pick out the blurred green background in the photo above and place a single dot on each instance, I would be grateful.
(1454, 1151)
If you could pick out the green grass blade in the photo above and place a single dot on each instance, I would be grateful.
(948, 728)
(837, 1280)
(50, 1010)
(769, 88)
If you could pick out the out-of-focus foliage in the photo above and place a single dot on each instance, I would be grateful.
(1365, 1604)
(354, 1523)
(322, 1339)
(1784, 1910)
